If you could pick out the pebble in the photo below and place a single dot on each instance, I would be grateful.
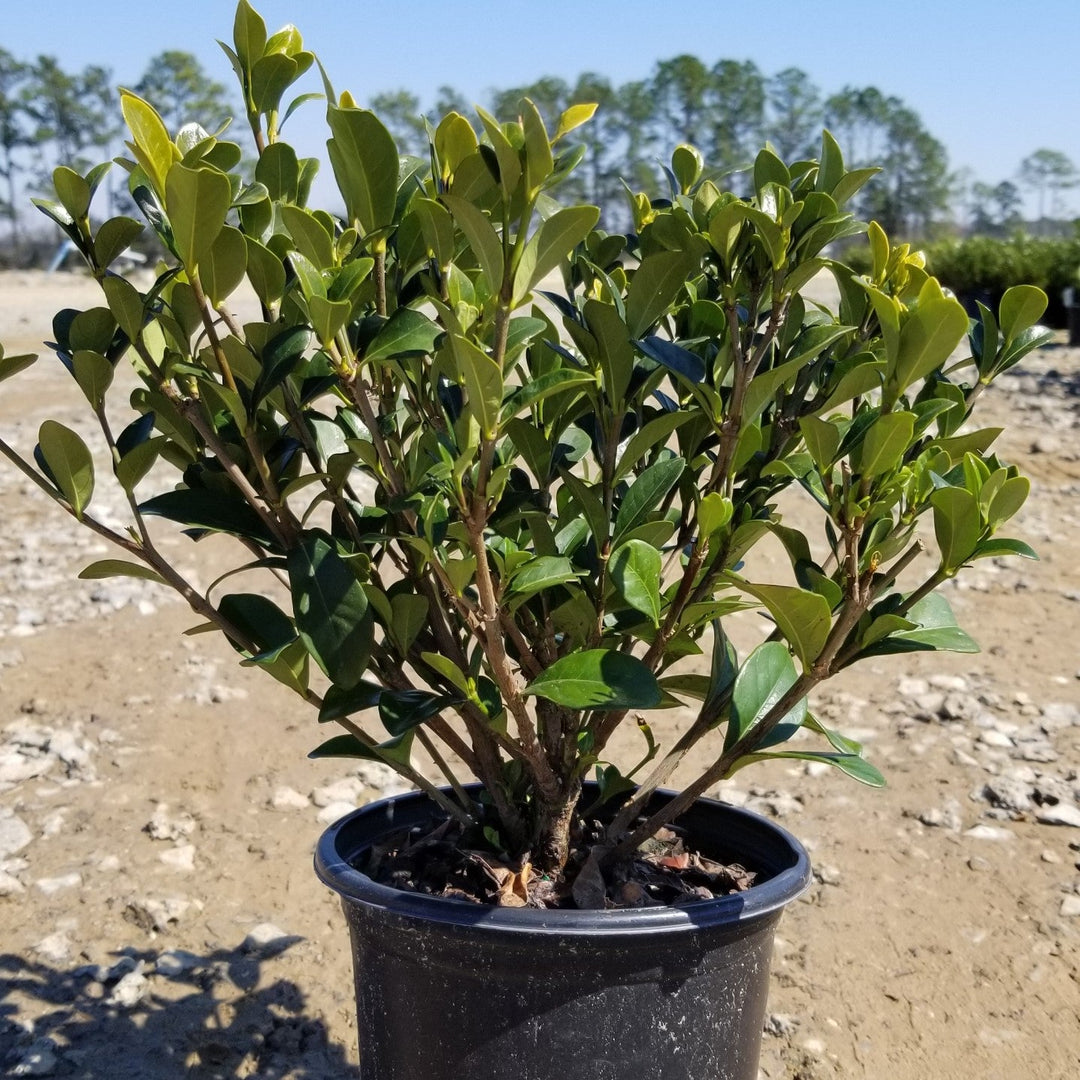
(55, 948)
(381, 778)
(163, 826)
(1049, 856)
(978, 864)
(267, 938)
(180, 858)
(1007, 793)
(345, 790)
(158, 914)
(176, 962)
(781, 1024)
(15, 834)
(1070, 906)
(826, 874)
(334, 812)
(287, 798)
(988, 832)
(952, 683)
(1061, 814)
(52, 885)
(130, 990)
(10, 885)
(993, 737)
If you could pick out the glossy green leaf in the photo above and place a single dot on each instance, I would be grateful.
(331, 610)
(249, 33)
(996, 546)
(69, 463)
(410, 614)
(539, 163)
(483, 382)
(536, 390)
(403, 710)
(635, 569)
(265, 272)
(1021, 308)
(957, 525)
(858, 768)
(1010, 497)
(107, 568)
(157, 154)
(803, 617)
(196, 201)
(455, 140)
(279, 171)
(93, 373)
(933, 328)
(654, 433)
(936, 630)
(762, 681)
(212, 511)
(647, 492)
(396, 751)
(541, 573)
(365, 161)
(550, 245)
(138, 461)
(885, 443)
(406, 331)
(598, 679)
(481, 237)
(72, 191)
(653, 288)
(114, 238)
(12, 365)
(223, 267)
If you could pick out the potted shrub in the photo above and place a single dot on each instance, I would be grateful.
(498, 482)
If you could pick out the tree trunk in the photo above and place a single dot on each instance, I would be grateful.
(553, 830)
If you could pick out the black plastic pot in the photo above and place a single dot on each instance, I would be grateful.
(448, 990)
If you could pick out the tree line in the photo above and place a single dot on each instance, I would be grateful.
(727, 110)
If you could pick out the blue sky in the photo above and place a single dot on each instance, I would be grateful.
(992, 80)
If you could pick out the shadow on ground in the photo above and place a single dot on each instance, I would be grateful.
(179, 1015)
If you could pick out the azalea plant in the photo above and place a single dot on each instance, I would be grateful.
(496, 477)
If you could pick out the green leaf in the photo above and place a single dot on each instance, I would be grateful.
(310, 235)
(265, 272)
(212, 511)
(331, 610)
(224, 265)
(1010, 497)
(550, 245)
(407, 331)
(365, 161)
(997, 546)
(280, 356)
(598, 679)
(885, 443)
(536, 390)
(653, 288)
(403, 710)
(647, 492)
(93, 373)
(69, 463)
(12, 365)
(481, 237)
(936, 630)
(328, 316)
(278, 170)
(822, 440)
(858, 768)
(589, 504)
(505, 154)
(635, 569)
(1021, 307)
(249, 33)
(455, 140)
(138, 461)
(107, 568)
(197, 201)
(114, 238)
(395, 751)
(762, 681)
(933, 328)
(72, 191)
(713, 513)
(539, 163)
(542, 573)
(656, 431)
(957, 525)
(803, 617)
(157, 154)
(483, 383)
(410, 615)
(438, 228)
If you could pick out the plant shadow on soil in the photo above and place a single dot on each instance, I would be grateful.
(213, 1021)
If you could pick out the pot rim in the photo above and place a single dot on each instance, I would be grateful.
(745, 834)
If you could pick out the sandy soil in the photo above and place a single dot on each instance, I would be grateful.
(158, 913)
